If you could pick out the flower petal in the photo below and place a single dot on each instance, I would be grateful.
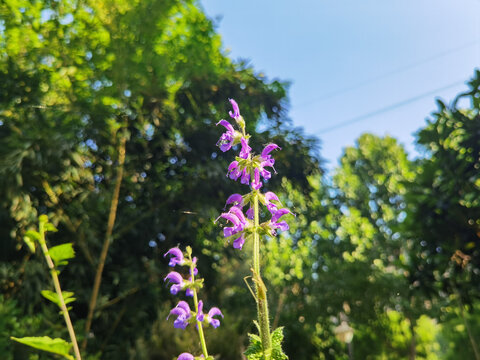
(174, 277)
(177, 256)
(268, 149)
(235, 199)
(271, 196)
(236, 111)
(200, 315)
(227, 125)
(256, 183)
(238, 243)
(185, 356)
(245, 152)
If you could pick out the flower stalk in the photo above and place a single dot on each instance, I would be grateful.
(195, 301)
(58, 289)
(252, 170)
(186, 316)
(261, 290)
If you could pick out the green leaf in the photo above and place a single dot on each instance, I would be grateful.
(45, 343)
(50, 227)
(61, 253)
(30, 243)
(254, 350)
(32, 235)
(277, 338)
(53, 297)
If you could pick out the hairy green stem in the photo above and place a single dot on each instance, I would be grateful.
(261, 290)
(199, 323)
(58, 290)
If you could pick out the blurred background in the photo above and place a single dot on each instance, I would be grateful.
(375, 105)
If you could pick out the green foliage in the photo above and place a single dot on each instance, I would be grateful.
(53, 297)
(255, 350)
(61, 253)
(44, 343)
(444, 208)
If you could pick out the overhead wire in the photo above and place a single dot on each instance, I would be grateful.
(390, 73)
(387, 108)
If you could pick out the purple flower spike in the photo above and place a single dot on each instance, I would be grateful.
(200, 314)
(185, 356)
(245, 152)
(183, 313)
(177, 280)
(176, 256)
(214, 312)
(226, 140)
(236, 111)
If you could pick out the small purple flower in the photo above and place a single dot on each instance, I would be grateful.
(269, 196)
(183, 313)
(195, 270)
(250, 214)
(282, 225)
(185, 356)
(214, 312)
(225, 142)
(245, 152)
(256, 183)
(236, 111)
(239, 222)
(176, 256)
(267, 160)
(235, 199)
(234, 173)
(200, 314)
(238, 242)
(177, 280)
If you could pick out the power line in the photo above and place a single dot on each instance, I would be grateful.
(390, 73)
(387, 108)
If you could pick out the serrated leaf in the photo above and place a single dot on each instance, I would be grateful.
(254, 350)
(53, 297)
(45, 343)
(61, 253)
(277, 338)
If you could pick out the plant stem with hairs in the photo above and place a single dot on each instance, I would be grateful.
(56, 284)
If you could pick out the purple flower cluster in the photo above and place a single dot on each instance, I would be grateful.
(185, 315)
(251, 170)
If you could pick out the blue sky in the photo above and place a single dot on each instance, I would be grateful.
(347, 59)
